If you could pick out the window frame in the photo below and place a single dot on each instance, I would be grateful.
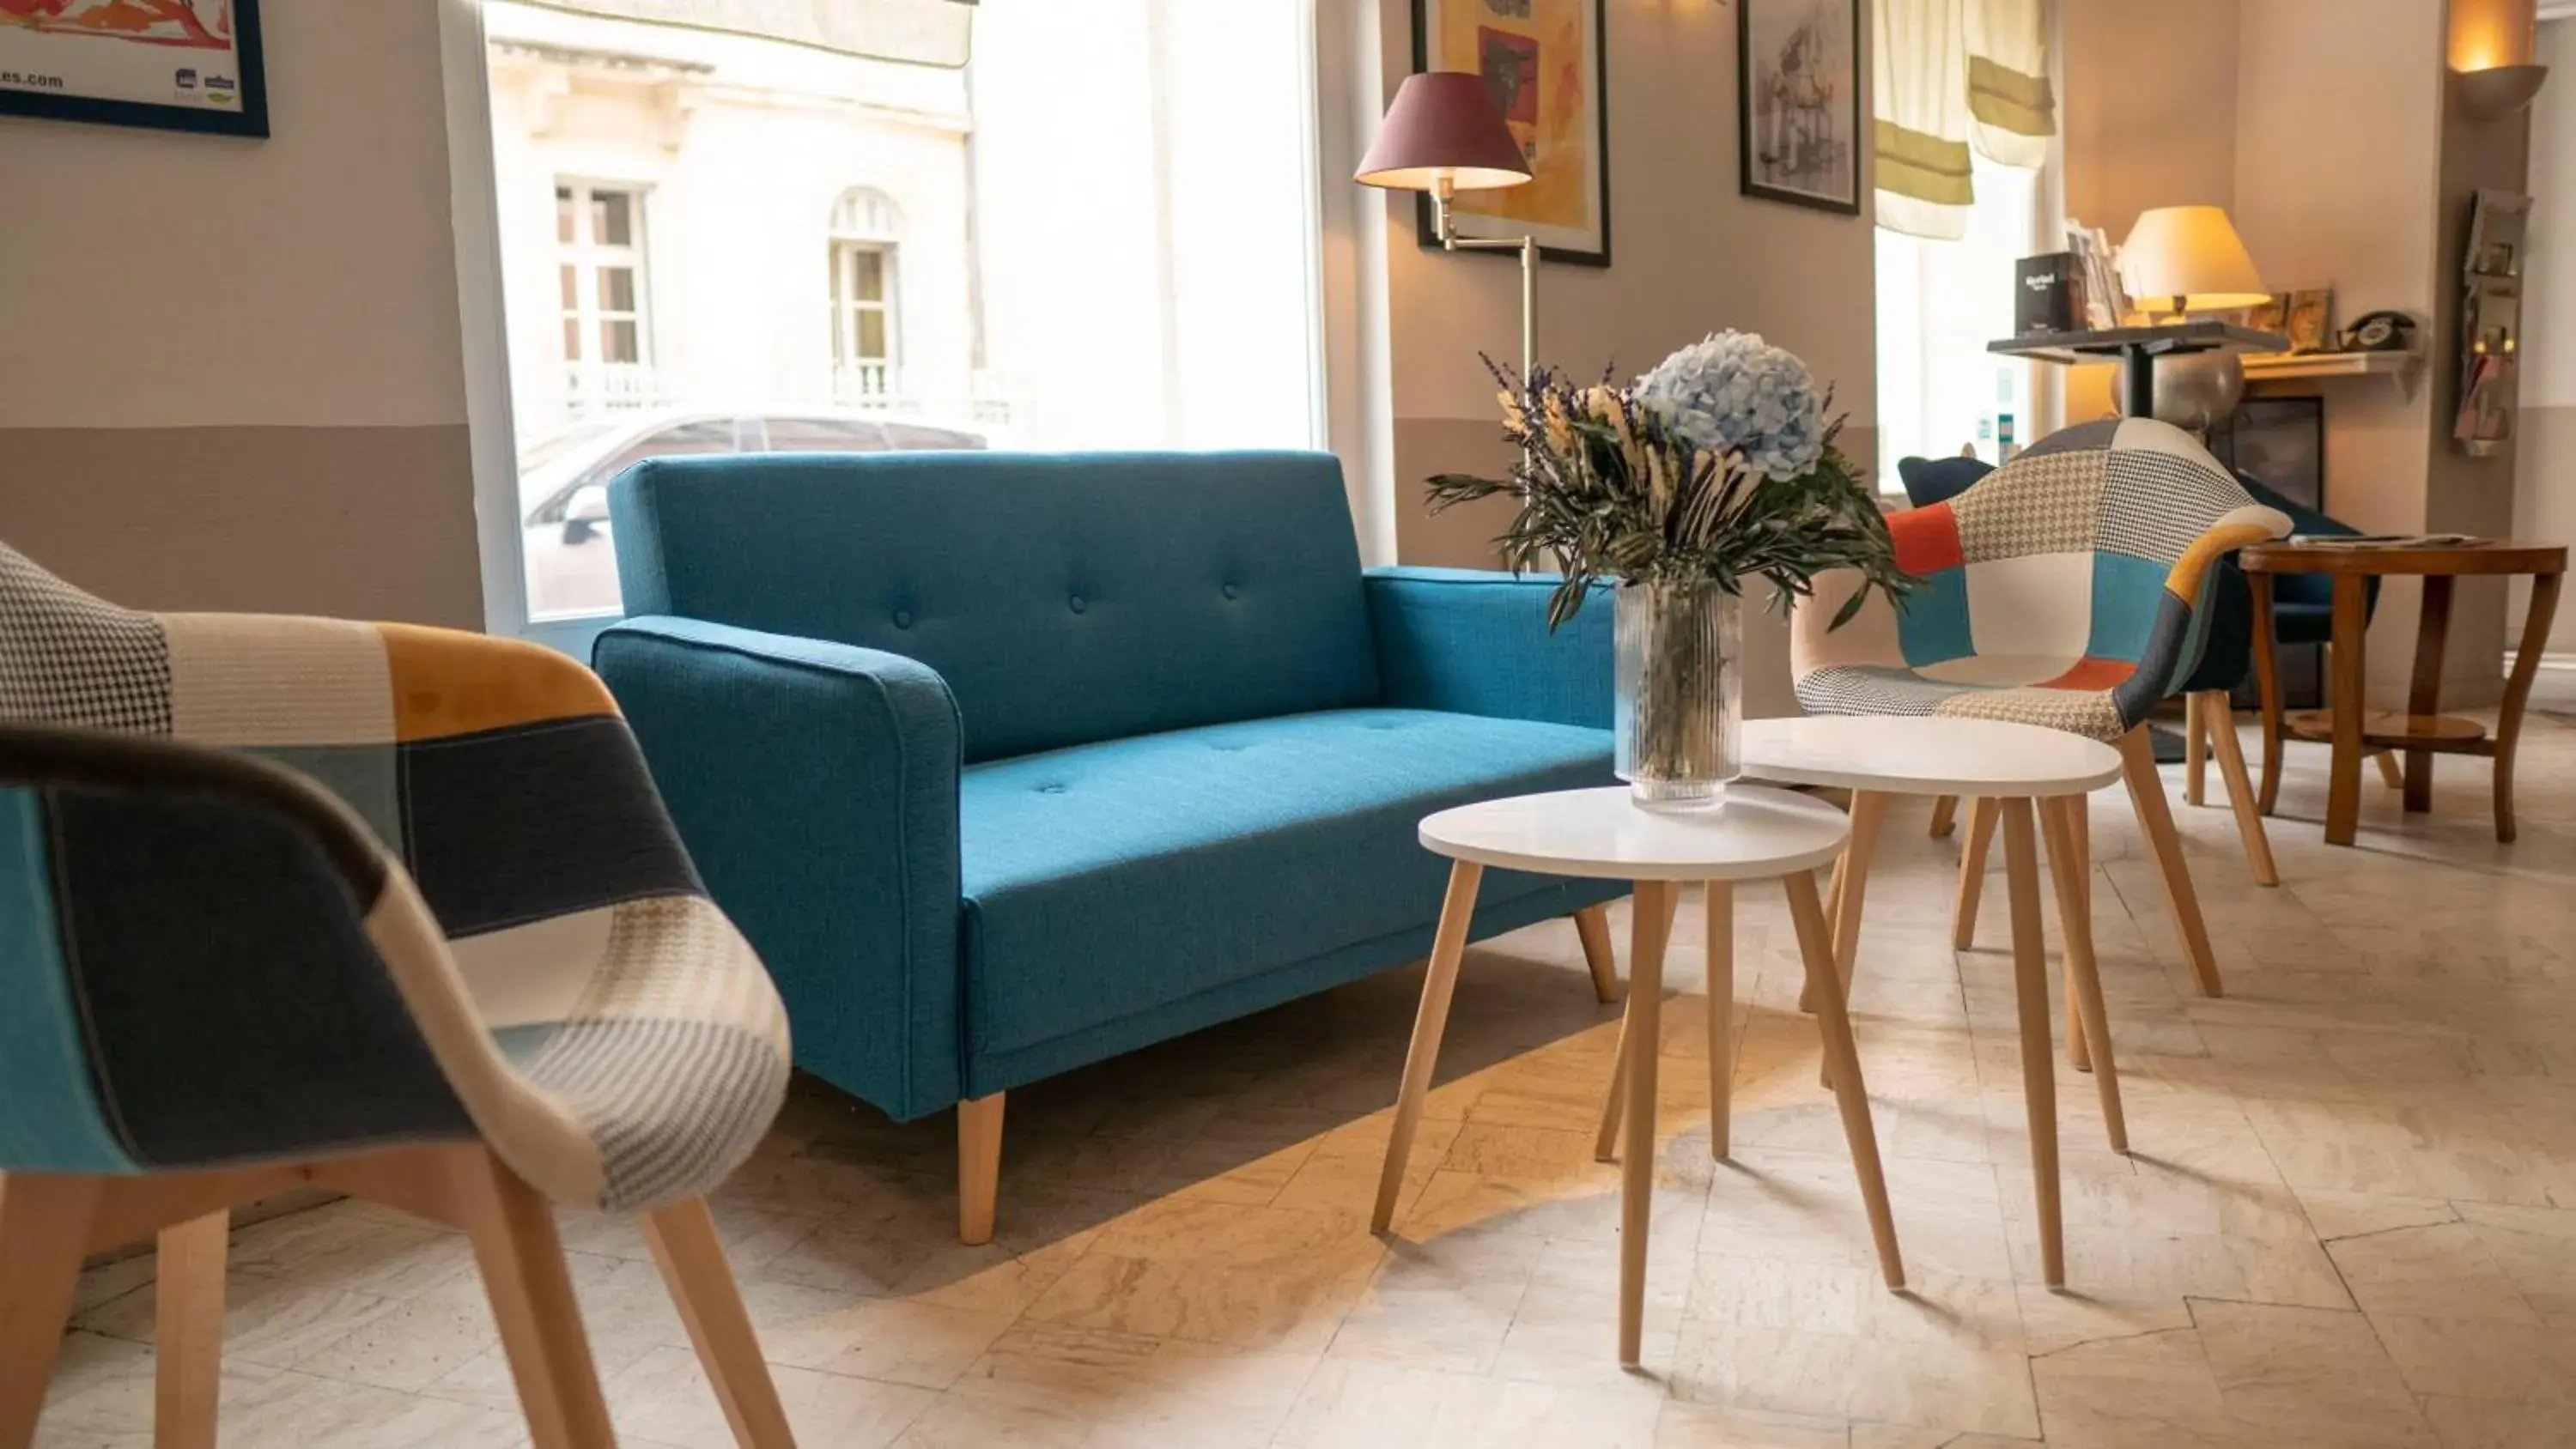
(588, 381)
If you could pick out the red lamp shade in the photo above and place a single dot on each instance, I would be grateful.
(1443, 125)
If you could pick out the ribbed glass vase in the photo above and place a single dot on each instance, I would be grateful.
(1680, 700)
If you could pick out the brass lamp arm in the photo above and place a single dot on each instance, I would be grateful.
(1446, 228)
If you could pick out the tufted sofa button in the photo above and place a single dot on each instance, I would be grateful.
(1232, 592)
(903, 618)
(1080, 603)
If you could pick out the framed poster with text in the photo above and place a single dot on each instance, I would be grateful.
(1542, 59)
(178, 65)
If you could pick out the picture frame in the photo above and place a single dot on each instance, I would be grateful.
(1545, 60)
(2307, 319)
(1798, 102)
(171, 65)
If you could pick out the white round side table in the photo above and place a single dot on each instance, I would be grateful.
(2004, 767)
(1759, 834)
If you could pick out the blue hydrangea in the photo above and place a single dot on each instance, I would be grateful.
(1736, 393)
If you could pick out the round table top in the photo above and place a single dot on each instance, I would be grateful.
(1927, 755)
(2490, 556)
(1758, 833)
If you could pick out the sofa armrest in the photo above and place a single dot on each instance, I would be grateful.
(815, 784)
(1476, 642)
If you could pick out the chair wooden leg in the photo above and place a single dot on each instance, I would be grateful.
(2038, 1071)
(2391, 774)
(188, 1331)
(1721, 1018)
(513, 1231)
(2240, 788)
(2195, 750)
(1982, 814)
(1592, 927)
(1851, 1095)
(1945, 813)
(2147, 793)
(2070, 868)
(44, 1230)
(1448, 947)
(685, 1247)
(979, 1167)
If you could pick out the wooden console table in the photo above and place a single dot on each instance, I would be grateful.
(2422, 731)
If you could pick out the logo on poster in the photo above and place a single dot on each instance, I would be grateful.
(187, 79)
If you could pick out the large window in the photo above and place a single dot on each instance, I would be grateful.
(1097, 232)
(1940, 392)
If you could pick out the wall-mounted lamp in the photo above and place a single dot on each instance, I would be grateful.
(1444, 134)
(2492, 48)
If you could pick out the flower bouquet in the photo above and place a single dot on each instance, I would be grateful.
(1716, 468)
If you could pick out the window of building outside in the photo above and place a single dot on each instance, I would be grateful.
(1099, 232)
(1939, 303)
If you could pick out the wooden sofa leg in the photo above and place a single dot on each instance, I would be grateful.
(1592, 925)
(188, 1331)
(44, 1230)
(979, 1167)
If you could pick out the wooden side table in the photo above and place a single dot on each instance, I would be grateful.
(2422, 731)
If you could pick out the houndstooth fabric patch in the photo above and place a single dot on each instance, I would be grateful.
(1870, 689)
(2090, 712)
(2051, 503)
(2157, 504)
(69, 659)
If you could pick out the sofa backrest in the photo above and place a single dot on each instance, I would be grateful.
(1065, 598)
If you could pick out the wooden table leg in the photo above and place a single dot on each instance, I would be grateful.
(1605, 1139)
(1851, 1095)
(1972, 872)
(1851, 889)
(2517, 694)
(2038, 1069)
(1448, 945)
(2070, 867)
(1721, 1018)
(2267, 684)
(1653, 916)
(1944, 811)
(2195, 752)
(2424, 694)
(2343, 789)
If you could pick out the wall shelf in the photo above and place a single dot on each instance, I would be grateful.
(2400, 368)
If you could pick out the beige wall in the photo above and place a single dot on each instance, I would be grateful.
(2339, 117)
(233, 368)
(2545, 497)
(1690, 256)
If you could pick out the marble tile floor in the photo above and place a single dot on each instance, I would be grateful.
(2350, 1218)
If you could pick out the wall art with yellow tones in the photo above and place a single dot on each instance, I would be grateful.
(1543, 61)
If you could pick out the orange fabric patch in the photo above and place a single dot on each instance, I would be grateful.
(448, 682)
(1927, 540)
(2093, 674)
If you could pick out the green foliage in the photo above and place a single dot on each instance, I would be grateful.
(1605, 491)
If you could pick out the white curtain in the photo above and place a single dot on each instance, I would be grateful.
(920, 32)
(2012, 112)
(1952, 74)
(1924, 186)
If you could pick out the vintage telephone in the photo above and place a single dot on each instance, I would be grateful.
(2380, 332)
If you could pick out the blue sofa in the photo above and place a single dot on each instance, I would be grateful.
(1009, 763)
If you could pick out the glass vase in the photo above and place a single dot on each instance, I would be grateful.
(1680, 700)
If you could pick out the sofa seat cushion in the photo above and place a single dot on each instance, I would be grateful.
(1112, 878)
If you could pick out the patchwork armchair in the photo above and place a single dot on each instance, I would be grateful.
(2070, 588)
(387, 909)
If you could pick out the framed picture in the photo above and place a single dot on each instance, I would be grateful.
(177, 65)
(1797, 101)
(2307, 319)
(1543, 61)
